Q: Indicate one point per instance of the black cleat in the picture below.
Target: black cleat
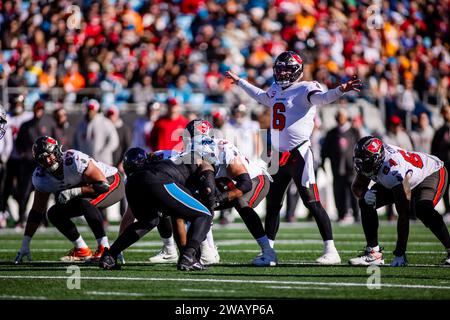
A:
(188, 262)
(108, 262)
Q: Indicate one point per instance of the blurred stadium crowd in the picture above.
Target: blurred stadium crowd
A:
(172, 55)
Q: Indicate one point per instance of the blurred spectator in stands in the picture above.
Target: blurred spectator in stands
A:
(125, 137)
(245, 132)
(6, 146)
(423, 135)
(358, 124)
(61, 129)
(182, 90)
(338, 147)
(143, 126)
(167, 131)
(440, 147)
(48, 78)
(96, 135)
(143, 93)
(73, 81)
(16, 118)
(397, 135)
(40, 125)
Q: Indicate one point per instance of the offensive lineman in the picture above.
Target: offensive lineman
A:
(293, 103)
(81, 186)
(404, 178)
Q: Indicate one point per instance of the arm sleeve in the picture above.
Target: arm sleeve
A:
(318, 98)
(254, 92)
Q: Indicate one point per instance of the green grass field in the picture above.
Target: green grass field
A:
(297, 277)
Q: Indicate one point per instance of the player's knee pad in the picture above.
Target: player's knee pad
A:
(427, 214)
(55, 214)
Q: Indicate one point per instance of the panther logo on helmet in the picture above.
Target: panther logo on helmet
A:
(134, 159)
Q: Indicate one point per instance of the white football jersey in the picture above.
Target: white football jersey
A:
(74, 164)
(292, 116)
(227, 153)
(398, 162)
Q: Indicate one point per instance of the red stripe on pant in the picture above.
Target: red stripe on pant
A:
(440, 186)
(257, 191)
(316, 192)
(112, 187)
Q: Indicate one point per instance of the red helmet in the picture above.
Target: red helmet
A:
(288, 68)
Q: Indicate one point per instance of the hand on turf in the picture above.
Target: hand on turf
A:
(233, 76)
(399, 261)
(370, 197)
(23, 252)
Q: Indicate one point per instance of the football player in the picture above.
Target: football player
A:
(81, 185)
(2, 122)
(293, 103)
(404, 178)
(163, 185)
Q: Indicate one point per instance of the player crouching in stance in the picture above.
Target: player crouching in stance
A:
(406, 179)
(160, 186)
(81, 186)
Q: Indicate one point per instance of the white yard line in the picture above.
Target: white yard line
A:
(14, 297)
(206, 290)
(296, 288)
(113, 293)
(240, 281)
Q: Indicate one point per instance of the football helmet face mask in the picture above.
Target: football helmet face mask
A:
(288, 68)
(134, 159)
(368, 156)
(2, 122)
(47, 153)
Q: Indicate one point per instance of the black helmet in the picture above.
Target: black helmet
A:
(45, 146)
(368, 155)
(2, 122)
(134, 159)
(288, 68)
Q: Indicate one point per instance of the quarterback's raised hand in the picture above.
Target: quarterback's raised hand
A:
(23, 252)
(233, 76)
(353, 84)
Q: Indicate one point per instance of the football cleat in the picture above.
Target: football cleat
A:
(165, 255)
(329, 258)
(268, 258)
(98, 253)
(447, 261)
(208, 255)
(121, 258)
(108, 262)
(188, 262)
(77, 254)
(368, 257)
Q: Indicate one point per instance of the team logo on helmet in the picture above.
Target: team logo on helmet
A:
(374, 145)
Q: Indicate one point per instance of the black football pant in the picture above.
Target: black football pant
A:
(424, 198)
(293, 169)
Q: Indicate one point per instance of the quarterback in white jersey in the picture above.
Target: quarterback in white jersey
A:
(411, 180)
(293, 103)
(81, 186)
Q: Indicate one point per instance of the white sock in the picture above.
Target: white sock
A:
(79, 243)
(103, 241)
(168, 242)
(210, 239)
(376, 248)
(26, 242)
(329, 246)
(271, 243)
(263, 242)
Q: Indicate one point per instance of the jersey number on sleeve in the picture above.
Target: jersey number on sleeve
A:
(412, 158)
(278, 119)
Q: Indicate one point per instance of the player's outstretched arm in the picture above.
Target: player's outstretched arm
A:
(319, 98)
(253, 91)
(34, 220)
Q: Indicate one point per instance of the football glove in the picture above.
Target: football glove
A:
(221, 197)
(370, 197)
(66, 195)
(22, 252)
(399, 261)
